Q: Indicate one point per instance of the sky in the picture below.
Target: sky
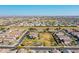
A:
(39, 10)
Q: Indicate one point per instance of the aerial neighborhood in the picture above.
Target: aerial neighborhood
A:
(39, 34)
